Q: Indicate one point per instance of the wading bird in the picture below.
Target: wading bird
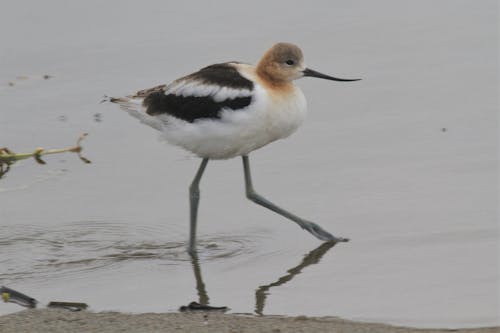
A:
(228, 110)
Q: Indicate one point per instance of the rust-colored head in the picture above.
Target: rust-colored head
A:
(284, 63)
(281, 64)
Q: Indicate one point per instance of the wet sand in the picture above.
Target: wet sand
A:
(108, 322)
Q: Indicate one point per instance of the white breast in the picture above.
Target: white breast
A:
(238, 132)
(285, 114)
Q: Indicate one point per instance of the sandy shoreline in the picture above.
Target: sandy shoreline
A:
(49, 320)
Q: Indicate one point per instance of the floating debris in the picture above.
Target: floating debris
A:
(71, 306)
(7, 157)
(13, 296)
(195, 306)
(19, 78)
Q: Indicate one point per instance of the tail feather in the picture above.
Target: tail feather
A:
(134, 107)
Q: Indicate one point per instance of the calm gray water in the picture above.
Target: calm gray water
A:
(405, 162)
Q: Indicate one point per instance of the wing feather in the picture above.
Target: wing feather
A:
(203, 94)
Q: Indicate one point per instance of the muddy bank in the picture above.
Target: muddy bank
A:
(109, 322)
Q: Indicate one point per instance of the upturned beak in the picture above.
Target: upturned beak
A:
(312, 73)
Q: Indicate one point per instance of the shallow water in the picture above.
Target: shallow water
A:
(405, 163)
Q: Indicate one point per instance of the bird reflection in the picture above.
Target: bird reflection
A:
(200, 286)
(311, 258)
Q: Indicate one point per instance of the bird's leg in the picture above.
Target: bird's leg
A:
(313, 228)
(194, 198)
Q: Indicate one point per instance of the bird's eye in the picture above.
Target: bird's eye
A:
(290, 62)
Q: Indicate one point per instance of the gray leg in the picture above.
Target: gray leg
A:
(313, 228)
(194, 198)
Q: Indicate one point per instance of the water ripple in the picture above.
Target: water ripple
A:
(87, 246)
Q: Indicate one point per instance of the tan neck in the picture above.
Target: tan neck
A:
(267, 74)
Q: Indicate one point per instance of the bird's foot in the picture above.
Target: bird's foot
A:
(320, 233)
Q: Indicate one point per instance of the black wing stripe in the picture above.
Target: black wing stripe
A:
(168, 100)
(221, 74)
(190, 108)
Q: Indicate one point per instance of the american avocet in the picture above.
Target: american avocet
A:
(228, 110)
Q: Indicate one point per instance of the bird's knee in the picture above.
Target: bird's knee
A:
(252, 196)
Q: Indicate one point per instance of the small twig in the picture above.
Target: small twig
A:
(7, 157)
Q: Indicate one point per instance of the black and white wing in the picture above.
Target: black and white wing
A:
(200, 95)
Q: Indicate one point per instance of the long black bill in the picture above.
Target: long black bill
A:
(312, 73)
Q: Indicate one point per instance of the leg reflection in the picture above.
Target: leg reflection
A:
(200, 286)
(203, 300)
(311, 258)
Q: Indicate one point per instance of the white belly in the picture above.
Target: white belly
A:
(238, 132)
